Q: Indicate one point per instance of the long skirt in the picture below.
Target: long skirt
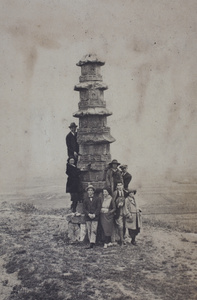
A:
(107, 223)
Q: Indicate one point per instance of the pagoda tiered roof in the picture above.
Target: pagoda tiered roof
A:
(90, 84)
(99, 111)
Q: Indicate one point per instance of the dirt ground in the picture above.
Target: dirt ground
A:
(38, 262)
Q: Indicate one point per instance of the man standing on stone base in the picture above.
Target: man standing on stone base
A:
(71, 142)
(125, 175)
(91, 208)
(113, 175)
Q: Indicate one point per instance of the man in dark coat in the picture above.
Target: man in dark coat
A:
(71, 142)
(91, 209)
(126, 176)
(73, 185)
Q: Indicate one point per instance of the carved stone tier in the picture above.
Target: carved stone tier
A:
(91, 94)
(91, 103)
(101, 130)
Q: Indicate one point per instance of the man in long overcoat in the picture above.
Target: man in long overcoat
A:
(132, 216)
(71, 142)
(73, 185)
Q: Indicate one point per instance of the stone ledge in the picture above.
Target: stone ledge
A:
(100, 111)
(90, 85)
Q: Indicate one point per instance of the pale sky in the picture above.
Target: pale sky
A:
(149, 47)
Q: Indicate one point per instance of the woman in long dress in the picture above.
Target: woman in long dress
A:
(107, 217)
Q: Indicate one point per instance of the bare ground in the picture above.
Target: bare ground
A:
(38, 262)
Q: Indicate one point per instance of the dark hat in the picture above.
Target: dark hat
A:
(130, 191)
(90, 186)
(114, 161)
(123, 167)
(72, 125)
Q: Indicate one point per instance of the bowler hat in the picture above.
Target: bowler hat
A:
(114, 161)
(90, 186)
(72, 125)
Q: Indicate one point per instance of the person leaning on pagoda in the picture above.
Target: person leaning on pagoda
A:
(71, 142)
(91, 209)
(113, 175)
(73, 185)
(125, 175)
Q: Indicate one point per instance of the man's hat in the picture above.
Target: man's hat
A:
(72, 125)
(114, 161)
(90, 186)
(123, 167)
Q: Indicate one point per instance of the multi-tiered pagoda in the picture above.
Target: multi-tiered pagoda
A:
(93, 134)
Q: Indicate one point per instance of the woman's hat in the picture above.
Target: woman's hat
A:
(72, 125)
(130, 191)
(90, 186)
(114, 161)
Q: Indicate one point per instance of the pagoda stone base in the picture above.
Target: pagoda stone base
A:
(77, 231)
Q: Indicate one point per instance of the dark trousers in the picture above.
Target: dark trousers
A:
(74, 199)
(133, 233)
(107, 239)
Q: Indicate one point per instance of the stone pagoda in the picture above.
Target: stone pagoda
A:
(93, 134)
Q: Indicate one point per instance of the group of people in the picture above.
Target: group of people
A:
(115, 210)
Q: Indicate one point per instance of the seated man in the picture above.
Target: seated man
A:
(91, 208)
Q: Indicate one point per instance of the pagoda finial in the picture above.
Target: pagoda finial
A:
(90, 58)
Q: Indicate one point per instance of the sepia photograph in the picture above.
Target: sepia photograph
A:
(98, 139)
